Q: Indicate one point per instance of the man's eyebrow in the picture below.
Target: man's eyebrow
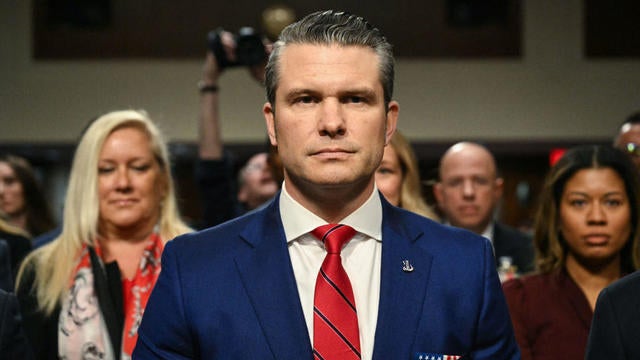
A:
(297, 92)
(364, 92)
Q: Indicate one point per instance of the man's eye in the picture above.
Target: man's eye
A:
(453, 183)
(354, 99)
(305, 99)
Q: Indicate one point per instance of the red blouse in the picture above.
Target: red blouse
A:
(551, 316)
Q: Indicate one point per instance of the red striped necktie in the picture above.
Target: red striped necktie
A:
(335, 321)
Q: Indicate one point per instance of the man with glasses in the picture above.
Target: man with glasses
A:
(628, 138)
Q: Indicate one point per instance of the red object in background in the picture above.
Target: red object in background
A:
(555, 155)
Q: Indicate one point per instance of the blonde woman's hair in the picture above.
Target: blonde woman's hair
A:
(411, 189)
(54, 263)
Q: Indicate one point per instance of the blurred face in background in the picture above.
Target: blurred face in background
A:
(257, 183)
(389, 176)
(629, 141)
(469, 188)
(130, 182)
(595, 216)
(11, 192)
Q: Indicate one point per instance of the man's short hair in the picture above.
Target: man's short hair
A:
(328, 28)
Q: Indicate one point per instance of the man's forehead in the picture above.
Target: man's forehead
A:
(466, 163)
(630, 132)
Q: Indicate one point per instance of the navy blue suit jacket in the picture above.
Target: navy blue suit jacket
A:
(229, 292)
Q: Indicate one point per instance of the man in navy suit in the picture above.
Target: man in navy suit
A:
(245, 289)
(468, 192)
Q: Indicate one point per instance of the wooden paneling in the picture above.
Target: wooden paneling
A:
(91, 29)
(612, 28)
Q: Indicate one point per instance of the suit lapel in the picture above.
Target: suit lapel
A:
(267, 276)
(402, 292)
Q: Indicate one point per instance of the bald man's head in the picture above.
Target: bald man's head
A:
(628, 138)
(469, 188)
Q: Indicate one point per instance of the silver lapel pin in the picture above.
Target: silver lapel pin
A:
(406, 266)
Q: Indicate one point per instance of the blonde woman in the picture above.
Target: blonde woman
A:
(398, 177)
(83, 294)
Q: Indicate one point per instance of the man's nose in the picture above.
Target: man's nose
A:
(468, 188)
(331, 122)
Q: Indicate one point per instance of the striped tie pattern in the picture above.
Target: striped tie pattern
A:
(335, 321)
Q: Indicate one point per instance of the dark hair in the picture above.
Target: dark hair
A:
(550, 247)
(633, 119)
(39, 216)
(332, 27)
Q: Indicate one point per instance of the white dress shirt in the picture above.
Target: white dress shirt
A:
(361, 259)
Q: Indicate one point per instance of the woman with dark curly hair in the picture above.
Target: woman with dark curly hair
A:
(586, 237)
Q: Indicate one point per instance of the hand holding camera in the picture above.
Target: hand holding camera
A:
(246, 48)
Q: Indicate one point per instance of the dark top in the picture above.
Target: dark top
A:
(19, 247)
(47, 237)
(615, 330)
(215, 179)
(551, 316)
(515, 244)
(13, 344)
(6, 276)
(42, 330)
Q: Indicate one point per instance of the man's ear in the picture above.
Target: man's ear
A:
(269, 118)
(499, 189)
(437, 192)
(392, 120)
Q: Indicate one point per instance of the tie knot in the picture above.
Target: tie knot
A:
(334, 236)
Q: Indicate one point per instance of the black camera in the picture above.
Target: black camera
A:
(249, 48)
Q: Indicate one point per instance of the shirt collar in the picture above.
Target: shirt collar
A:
(367, 219)
(488, 232)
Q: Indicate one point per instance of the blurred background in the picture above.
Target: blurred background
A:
(523, 77)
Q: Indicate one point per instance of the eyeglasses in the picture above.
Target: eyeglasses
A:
(631, 149)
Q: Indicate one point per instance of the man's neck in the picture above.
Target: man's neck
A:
(331, 203)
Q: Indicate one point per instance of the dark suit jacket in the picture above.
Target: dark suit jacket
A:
(615, 328)
(19, 247)
(13, 344)
(42, 330)
(6, 274)
(515, 244)
(229, 292)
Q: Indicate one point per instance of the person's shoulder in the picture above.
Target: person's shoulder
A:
(629, 284)
(511, 233)
(433, 234)
(11, 238)
(218, 237)
(529, 284)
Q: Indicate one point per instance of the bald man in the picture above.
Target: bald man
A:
(468, 192)
(628, 138)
